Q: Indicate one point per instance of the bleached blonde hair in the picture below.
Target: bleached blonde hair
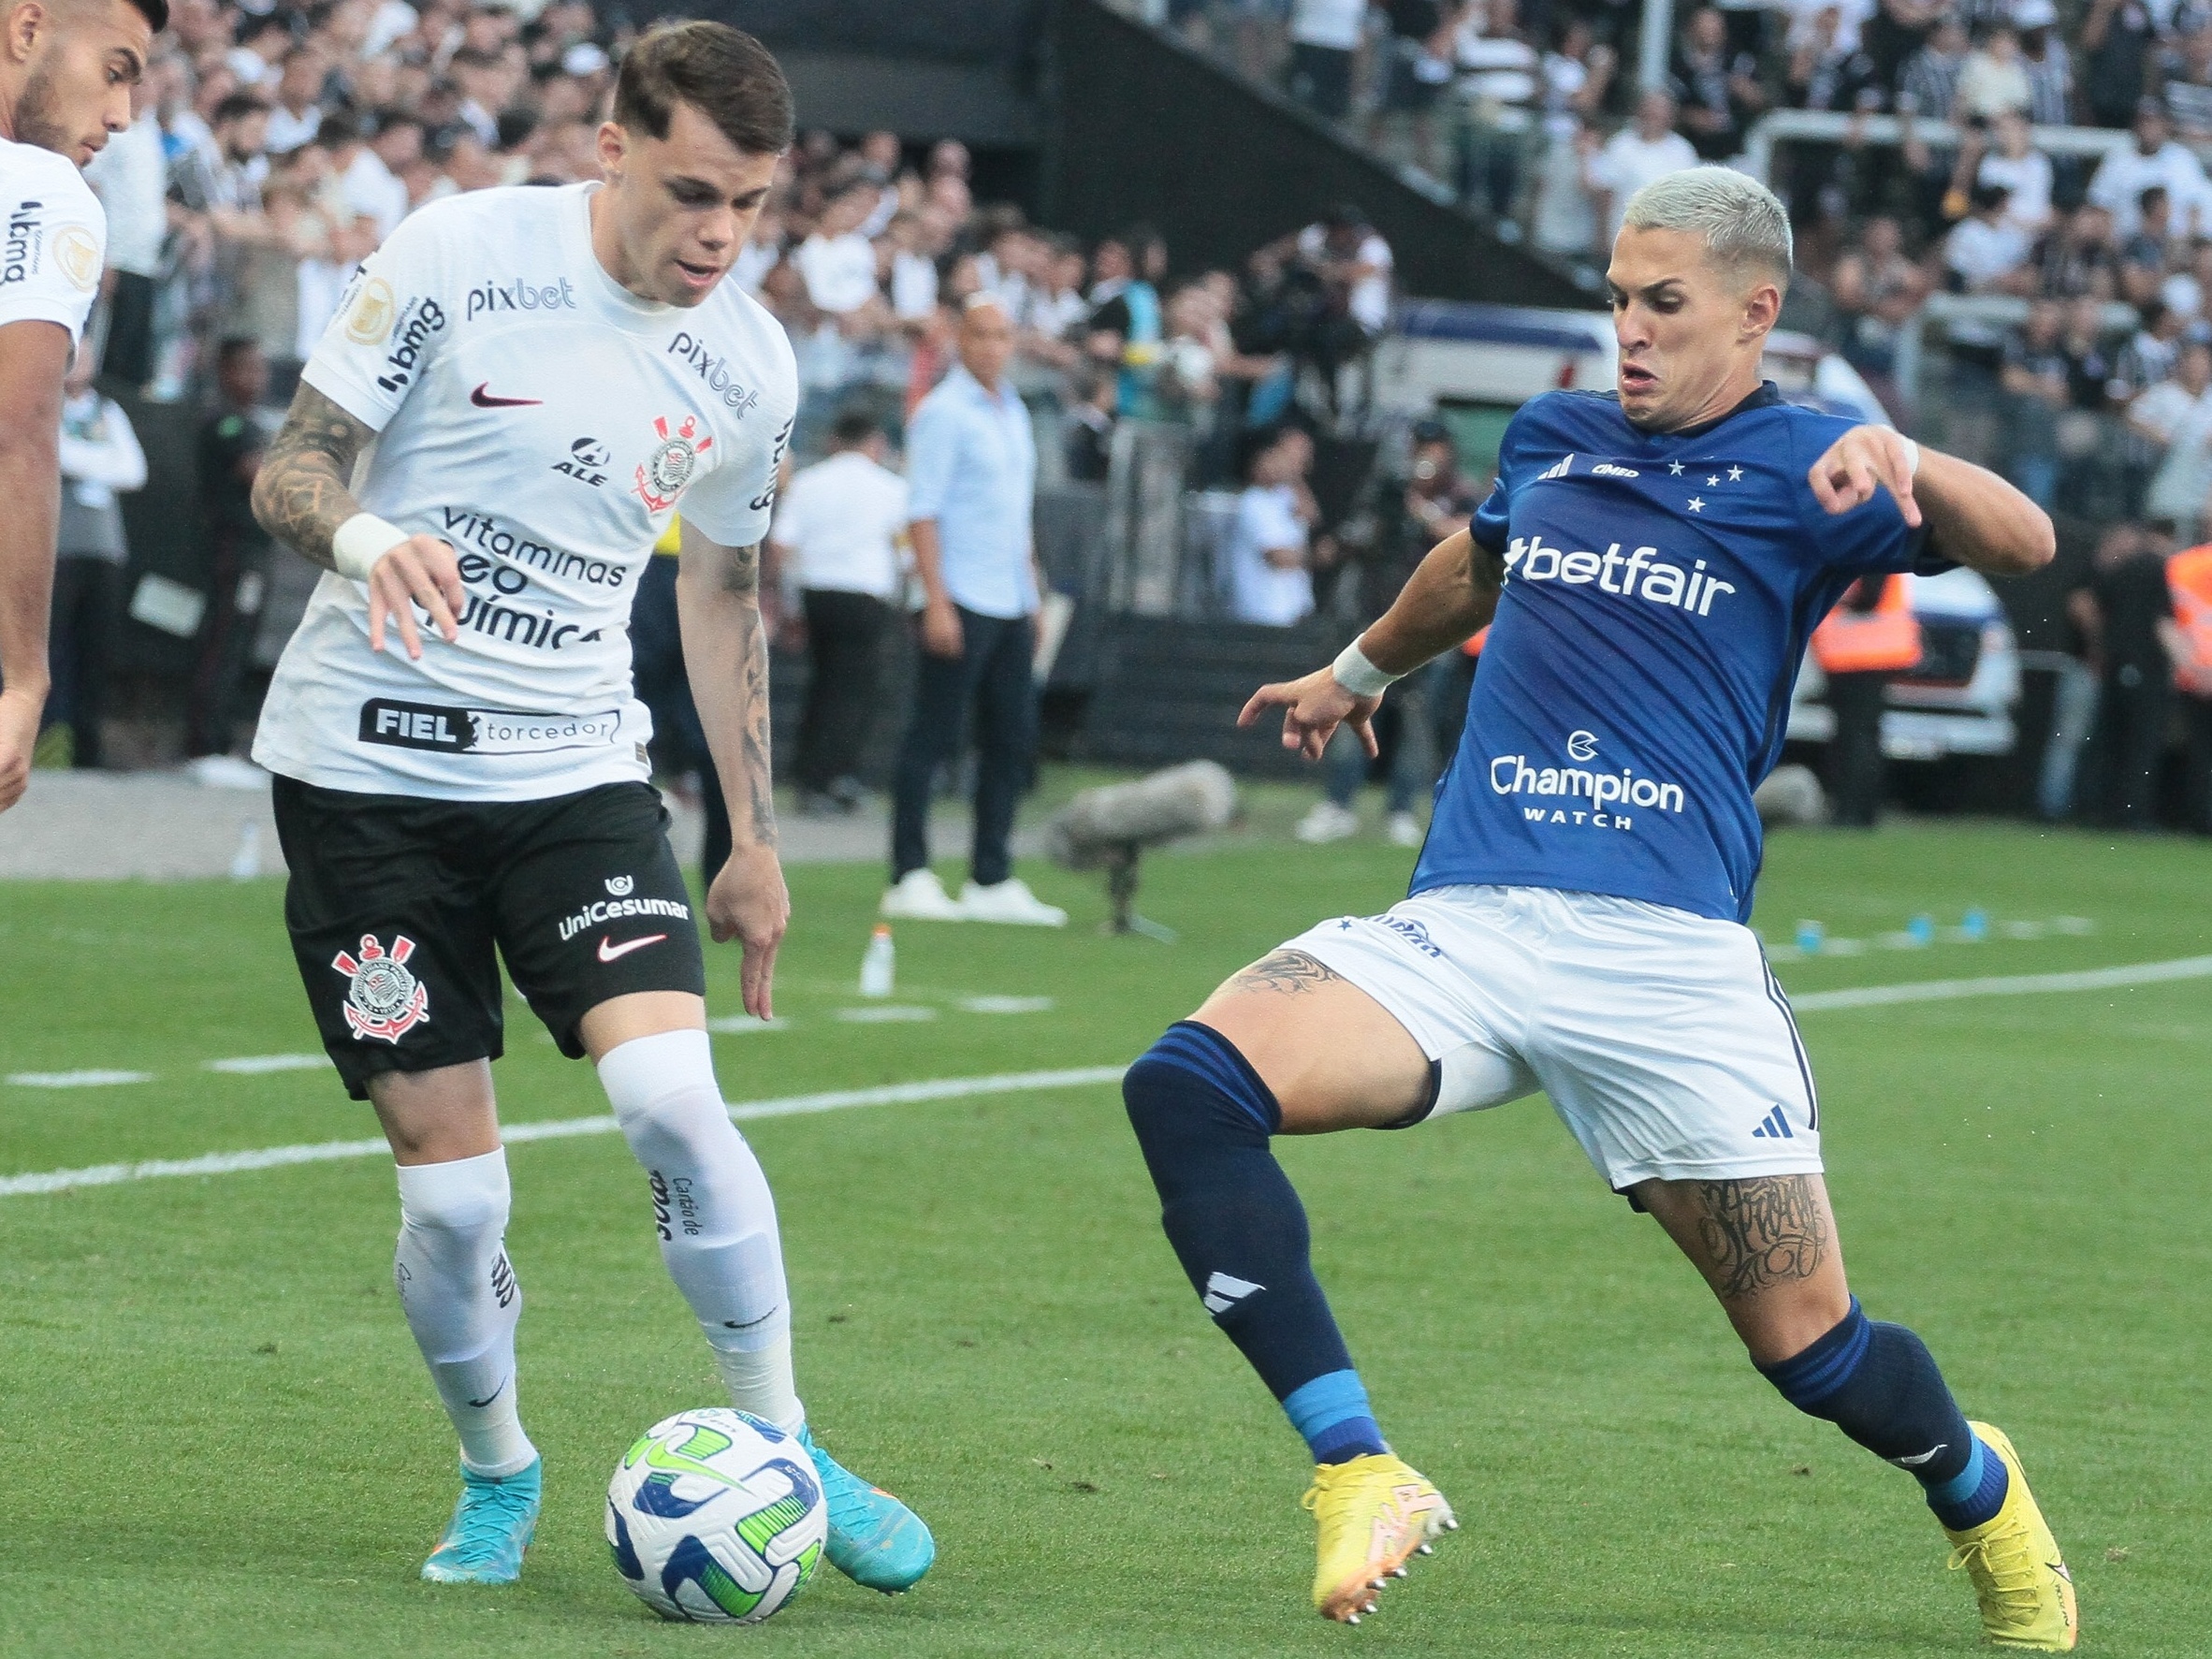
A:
(1743, 226)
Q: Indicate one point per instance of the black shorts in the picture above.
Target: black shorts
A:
(396, 904)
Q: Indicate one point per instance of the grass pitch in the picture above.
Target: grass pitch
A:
(215, 1437)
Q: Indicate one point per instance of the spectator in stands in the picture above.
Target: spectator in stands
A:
(971, 468)
(232, 438)
(1877, 293)
(1983, 254)
(2117, 41)
(1647, 149)
(2177, 415)
(839, 265)
(1928, 84)
(1125, 307)
(100, 458)
(1088, 446)
(2077, 256)
(1993, 81)
(130, 178)
(2186, 86)
(1271, 547)
(1498, 87)
(2187, 292)
(2140, 261)
(2047, 62)
(2154, 158)
(2013, 161)
(1716, 87)
(1418, 71)
(365, 179)
(296, 115)
(841, 528)
(2035, 380)
(1827, 69)
(1324, 36)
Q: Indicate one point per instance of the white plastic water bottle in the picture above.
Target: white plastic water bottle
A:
(878, 965)
(245, 864)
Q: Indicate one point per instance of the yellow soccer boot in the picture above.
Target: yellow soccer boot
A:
(1374, 1513)
(2025, 1593)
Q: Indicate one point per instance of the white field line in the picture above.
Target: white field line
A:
(954, 1088)
(270, 1157)
(2025, 985)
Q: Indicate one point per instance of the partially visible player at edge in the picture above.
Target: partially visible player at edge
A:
(545, 374)
(1654, 558)
(67, 70)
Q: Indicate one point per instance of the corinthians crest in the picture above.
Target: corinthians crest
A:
(384, 999)
(663, 474)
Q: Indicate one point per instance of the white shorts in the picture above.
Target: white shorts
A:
(1662, 1037)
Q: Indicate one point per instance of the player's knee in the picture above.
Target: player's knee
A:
(1191, 1089)
(465, 1196)
(666, 1100)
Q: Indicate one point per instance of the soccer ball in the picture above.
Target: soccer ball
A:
(716, 1516)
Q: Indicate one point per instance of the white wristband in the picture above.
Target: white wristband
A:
(360, 542)
(1911, 456)
(1360, 676)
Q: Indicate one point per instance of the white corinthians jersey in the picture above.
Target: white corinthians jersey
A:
(546, 423)
(53, 242)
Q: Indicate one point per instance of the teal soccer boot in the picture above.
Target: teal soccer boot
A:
(490, 1528)
(874, 1539)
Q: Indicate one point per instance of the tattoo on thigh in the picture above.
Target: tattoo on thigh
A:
(1761, 1232)
(1289, 971)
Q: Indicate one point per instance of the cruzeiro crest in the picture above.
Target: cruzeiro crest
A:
(663, 474)
(384, 999)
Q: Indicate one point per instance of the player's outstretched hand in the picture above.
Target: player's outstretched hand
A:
(1313, 709)
(749, 903)
(1857, 463)
(19, 737)
(421, 569)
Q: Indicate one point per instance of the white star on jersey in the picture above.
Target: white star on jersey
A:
(1735, 474)
(546, 422)
(1696, 505)
(1675, 468)
(1712, 481)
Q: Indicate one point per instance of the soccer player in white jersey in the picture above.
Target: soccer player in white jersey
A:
(546, 375)
(67, 70)
(1650, 561)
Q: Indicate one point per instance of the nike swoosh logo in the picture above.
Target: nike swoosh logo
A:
(495, 1393)
(483, 398)
(609, 949)
(748, 1324)
(1914, 1463)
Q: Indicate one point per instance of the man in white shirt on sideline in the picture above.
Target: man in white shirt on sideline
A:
(1324, 39)
(66, 81)
(971, 465)
(1270, 578)
(1635, 155)
(841, 527)
(131, 179)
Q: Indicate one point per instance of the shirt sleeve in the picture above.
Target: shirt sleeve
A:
(932, 443)
(734, 504)
(56, 242)
(392, 320)
(1872, 536)
(1490, 525)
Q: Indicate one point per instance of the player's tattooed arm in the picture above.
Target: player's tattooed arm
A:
(302, 492)
(1291, 972)
(1760, 1233)
(726, 643)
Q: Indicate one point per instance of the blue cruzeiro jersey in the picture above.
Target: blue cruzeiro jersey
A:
(1660, 588)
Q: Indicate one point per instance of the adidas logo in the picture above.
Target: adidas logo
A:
(1224, 1292)
(1564, 466)
(1775, 1126)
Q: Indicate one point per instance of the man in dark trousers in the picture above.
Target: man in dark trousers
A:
(1869, 639)
(231, 440)
(971, 475)
(2127, 612)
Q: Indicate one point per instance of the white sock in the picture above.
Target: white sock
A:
(716, 1217)
(462, 1302)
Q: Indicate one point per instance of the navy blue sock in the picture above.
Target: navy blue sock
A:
(1203, 1118)
(1879, 1384)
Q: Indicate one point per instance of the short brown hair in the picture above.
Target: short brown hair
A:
(723, 73)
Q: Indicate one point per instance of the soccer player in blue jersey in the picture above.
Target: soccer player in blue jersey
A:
(1654, 558)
